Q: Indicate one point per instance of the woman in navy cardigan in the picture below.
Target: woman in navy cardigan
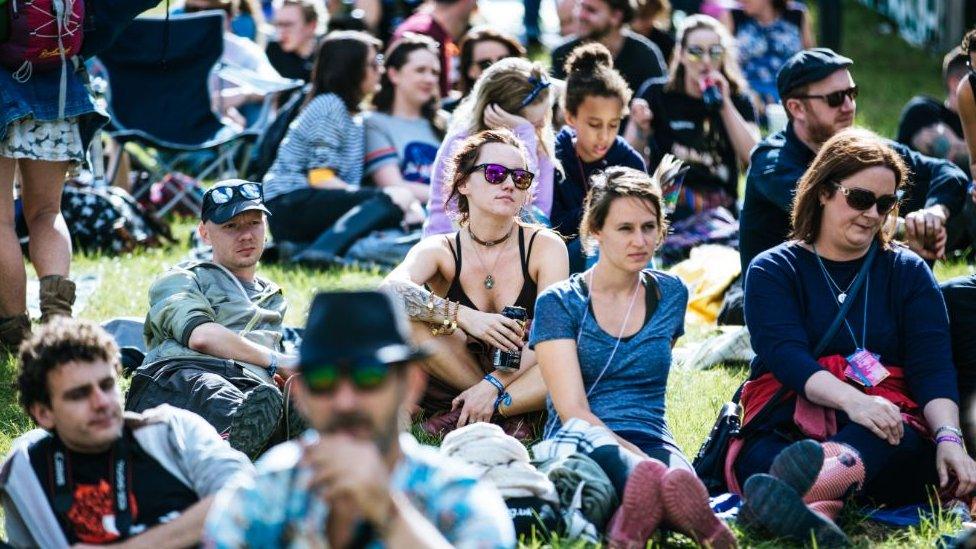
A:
(882, 398)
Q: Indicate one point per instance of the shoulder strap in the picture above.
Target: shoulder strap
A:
(821, 345)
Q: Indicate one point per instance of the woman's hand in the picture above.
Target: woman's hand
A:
(641, 114)
(723, 85)
(494, 329)
(952, 458)
(477, 403)
(879, 415)
(498, 118)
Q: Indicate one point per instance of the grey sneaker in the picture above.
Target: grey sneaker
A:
(256, 420)
(780, 509)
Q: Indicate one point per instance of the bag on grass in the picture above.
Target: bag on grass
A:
(109, 220)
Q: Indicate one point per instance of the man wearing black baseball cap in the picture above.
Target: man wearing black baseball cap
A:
(818, 93)
(354, 479)
(214, 328)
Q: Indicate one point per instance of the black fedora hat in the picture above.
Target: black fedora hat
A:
(354, 328)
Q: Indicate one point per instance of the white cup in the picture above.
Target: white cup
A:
(776, 118)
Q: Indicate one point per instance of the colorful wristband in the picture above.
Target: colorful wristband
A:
(503, 398)
(273, 366)
(948, 438)
(498, 385)
(954, 430)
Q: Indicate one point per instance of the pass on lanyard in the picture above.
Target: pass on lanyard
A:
(863, 366)
(119, 476)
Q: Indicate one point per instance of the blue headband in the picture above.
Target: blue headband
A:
(538, 84)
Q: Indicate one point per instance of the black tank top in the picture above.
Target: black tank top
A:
(526, 297)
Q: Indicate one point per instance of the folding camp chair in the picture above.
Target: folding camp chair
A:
(158, 73)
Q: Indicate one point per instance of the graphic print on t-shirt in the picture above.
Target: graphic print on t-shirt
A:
(155, 496)
(418, 159)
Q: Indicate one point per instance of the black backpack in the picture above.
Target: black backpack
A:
(266, 149)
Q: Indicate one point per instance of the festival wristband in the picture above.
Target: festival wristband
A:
(318, 177)
(948, 438)
(954, 430)
(273, 366)
(503, 398)
(498, 385)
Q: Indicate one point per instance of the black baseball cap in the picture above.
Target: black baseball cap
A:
(231, 197)
(808, 66)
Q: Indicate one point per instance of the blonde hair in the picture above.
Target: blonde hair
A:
(505, 84)
(730, 64)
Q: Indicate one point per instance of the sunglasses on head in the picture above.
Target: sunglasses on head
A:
(495, 174)
(324, 379)
(863, 199)
(834, 99)
(697, 53)
(223, 195)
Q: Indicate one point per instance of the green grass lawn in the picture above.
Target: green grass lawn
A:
(888, 71)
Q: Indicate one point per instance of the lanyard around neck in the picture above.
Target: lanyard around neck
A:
(119, 477)
(830, 288)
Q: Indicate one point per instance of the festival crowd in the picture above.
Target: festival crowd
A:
(527, 216)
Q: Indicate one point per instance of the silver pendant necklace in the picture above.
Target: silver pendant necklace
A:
(489, 281)
(841, 294)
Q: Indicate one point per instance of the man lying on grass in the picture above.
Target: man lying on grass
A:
(214, 328)
(64, 484)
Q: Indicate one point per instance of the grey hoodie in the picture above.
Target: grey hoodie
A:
(182, 442)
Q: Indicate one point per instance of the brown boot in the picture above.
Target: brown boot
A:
(14, 330)
(57, 297)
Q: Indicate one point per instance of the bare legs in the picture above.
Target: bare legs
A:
(455, 366)
(50, 243)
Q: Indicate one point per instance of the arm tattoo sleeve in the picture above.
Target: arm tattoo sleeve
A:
(423, 305)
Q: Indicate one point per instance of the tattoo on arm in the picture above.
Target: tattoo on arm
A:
(421, 304)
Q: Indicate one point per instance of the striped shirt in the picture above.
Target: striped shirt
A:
(325, 135)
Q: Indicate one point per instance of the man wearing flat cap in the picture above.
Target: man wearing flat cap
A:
(353, 479)
(214, 328)
(819, 95)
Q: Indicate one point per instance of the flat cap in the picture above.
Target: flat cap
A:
(808, 66)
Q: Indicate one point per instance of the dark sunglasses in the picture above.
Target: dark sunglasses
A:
(485, 63)
(495, 174)
(223, 195)
(324, 379)
(715, 52)
(834, 99)
(863, 199)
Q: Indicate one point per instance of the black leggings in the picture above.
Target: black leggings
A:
(302, 215)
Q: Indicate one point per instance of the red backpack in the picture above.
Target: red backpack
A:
(42, 34)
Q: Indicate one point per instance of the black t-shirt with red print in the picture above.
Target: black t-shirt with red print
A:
(155, 496)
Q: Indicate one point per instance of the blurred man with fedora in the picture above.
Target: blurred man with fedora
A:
(214, 328)
(354, 479)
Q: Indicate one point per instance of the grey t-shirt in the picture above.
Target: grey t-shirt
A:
(410, 144)
(630, 396)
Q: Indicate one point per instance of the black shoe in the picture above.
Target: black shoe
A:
(255, 420)
(799, 465)
(780, 509)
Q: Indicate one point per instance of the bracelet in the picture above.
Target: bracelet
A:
(954, 430)
(273, 366)
(503, 398)
(449, 324)
(948, 438)
(498, 385)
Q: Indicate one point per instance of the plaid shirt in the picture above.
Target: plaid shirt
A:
(275, 509)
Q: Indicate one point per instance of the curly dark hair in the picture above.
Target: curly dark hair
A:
(340, 66)
(465, 158)
(590, 71)
(58, 342)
